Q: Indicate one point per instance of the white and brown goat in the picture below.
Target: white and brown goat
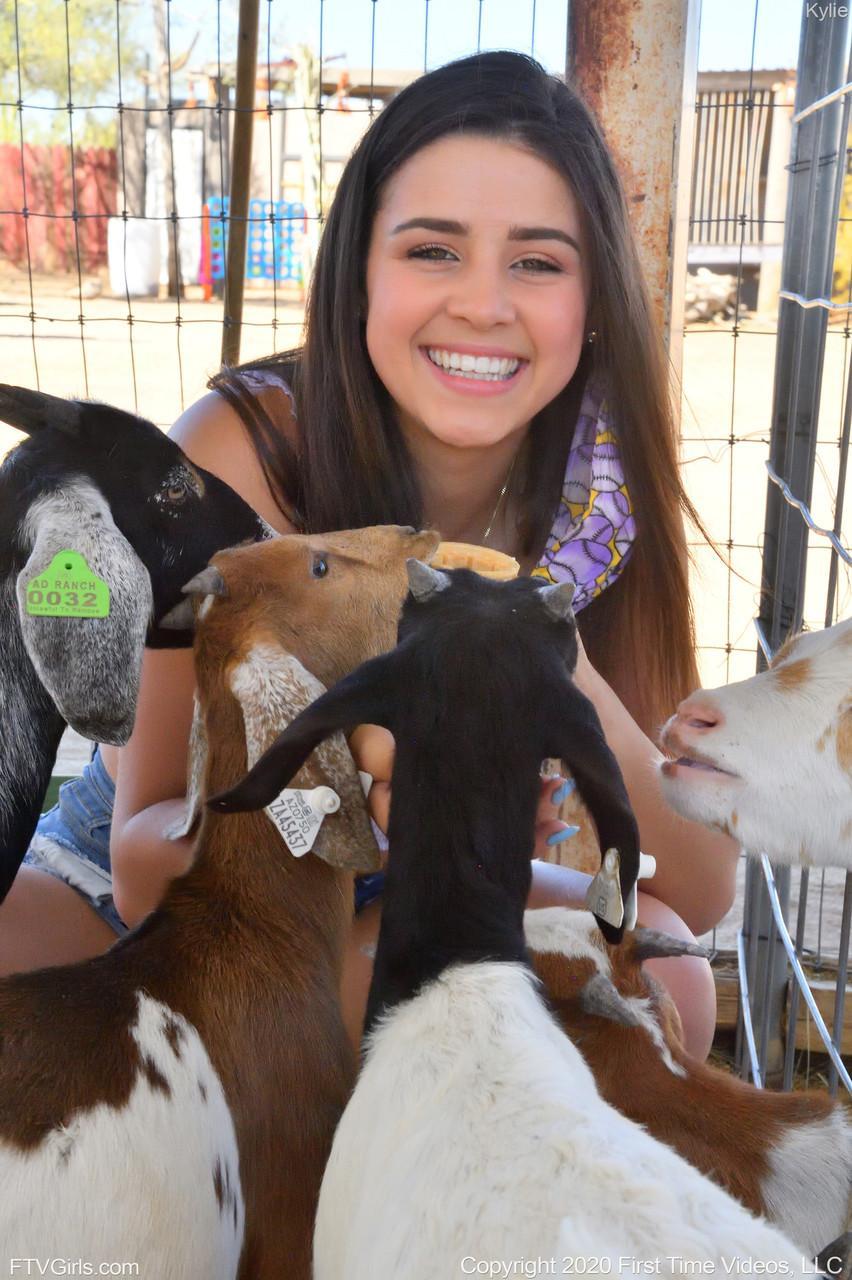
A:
(786, 1156)
(769, 759)
(173, 1102)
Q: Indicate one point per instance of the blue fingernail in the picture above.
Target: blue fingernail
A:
(559, 836)
(564, 791)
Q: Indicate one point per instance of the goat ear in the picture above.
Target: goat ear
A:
(577, 738)
(33, 411)
(272, 688)
(89, 666)
(364, 697)
(196, 768)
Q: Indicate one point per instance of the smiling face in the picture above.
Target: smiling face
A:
(476, 290)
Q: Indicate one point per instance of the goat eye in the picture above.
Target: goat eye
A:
(177, 492)
(319, 567)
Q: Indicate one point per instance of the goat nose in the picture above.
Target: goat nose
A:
(697, 712)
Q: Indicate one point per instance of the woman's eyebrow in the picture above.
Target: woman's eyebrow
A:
(450, 227)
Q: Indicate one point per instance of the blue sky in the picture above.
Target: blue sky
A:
(537, 26)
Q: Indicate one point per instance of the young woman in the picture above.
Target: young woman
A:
(479, 356)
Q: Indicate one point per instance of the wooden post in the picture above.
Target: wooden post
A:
(235, 268)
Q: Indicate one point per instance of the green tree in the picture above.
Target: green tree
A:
(44, 38)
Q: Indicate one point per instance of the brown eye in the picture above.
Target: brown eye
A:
(319, 567)
(177, 492)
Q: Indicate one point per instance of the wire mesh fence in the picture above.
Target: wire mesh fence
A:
(153, 83)
(117, 123)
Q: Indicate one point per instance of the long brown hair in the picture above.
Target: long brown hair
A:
(353, 467)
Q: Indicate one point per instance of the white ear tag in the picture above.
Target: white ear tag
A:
(297, 816)
(603, 896)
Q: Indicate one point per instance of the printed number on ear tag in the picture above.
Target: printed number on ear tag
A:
(297, 815)
(67, 588)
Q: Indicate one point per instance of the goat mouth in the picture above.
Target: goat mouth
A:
(695, 763)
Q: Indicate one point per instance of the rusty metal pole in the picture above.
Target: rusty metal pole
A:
(235, 267)
(636, 65)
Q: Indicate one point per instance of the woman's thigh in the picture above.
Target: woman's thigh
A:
(44, 922)
(688, 979)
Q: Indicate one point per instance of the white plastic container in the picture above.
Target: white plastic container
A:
(134, 261)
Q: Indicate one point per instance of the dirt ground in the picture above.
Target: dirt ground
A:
(157, 366)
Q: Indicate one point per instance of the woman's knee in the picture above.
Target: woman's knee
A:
(44, 922)
(688, 979)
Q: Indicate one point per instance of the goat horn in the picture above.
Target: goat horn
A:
(209, 582)
(652, 944)
(180, 618)
(601, 997)
(836, 1258)
(424, 581)
(32, 411)
(557, 598)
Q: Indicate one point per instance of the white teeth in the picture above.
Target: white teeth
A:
(480, 368)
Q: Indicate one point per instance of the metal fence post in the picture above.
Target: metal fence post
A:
(807, 266)
(633, 62)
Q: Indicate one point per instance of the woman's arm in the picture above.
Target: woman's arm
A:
(151, 783)
(696, 867)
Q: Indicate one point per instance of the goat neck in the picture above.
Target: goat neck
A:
(473, 684)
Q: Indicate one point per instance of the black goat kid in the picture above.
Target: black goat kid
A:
(477, 693)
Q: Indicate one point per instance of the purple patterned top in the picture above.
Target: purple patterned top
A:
(595, 528)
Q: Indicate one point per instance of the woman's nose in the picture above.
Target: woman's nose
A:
(483, 298)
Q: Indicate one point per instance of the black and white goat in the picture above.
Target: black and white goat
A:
(475, 1130)
(113, 489)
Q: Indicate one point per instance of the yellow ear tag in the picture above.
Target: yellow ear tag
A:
(67, 588)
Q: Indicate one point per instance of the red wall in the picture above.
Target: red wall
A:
(46, 175)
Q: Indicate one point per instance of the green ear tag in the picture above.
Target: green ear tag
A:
(68, 589)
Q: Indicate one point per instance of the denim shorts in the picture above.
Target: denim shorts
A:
(71, 841)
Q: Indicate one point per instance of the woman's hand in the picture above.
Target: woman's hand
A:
(373, 750)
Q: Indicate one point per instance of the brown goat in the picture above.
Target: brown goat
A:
(787, 1156)
(173, 1102)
